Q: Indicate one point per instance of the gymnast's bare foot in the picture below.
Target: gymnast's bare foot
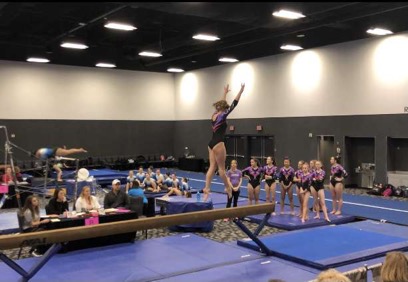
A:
(317, 217)
(83, 150)
(327, 219)
(338, 213)
(333, 212)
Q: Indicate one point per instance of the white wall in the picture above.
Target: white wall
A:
(356, 78)
(367, 76)
(36, 91)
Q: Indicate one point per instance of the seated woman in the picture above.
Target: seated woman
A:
(140, 175)
(129, 180)
(32, 222)
(86, 201)
(184, 185)
(167, 182)
(136, 191)
(395, 267)
(175, 190)
(7, 177)
(58, 203)
(149, 184)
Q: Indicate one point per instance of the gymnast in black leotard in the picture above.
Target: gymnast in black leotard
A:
(254, 174)
(216, 147)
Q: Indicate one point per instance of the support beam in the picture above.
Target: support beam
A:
(85, 232)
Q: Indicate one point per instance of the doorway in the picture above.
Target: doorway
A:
(261, 147)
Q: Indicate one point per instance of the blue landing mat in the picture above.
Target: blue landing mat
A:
(290, 222)
(332, 245)
(260, 270)
(145, 260)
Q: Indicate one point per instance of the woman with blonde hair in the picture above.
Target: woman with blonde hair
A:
(216, 147)
(395, 267)
(86, 201)
(332, 275)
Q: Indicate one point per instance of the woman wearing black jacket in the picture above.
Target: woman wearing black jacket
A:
(58, 204)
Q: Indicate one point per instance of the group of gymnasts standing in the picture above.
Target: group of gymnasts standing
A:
(308, 180)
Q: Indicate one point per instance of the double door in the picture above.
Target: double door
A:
(245, 147)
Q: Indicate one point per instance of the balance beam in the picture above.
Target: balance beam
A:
(113, 228)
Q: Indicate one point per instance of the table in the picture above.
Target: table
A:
(180, 204)
(193, 164)
(98, 241)
(151, 202)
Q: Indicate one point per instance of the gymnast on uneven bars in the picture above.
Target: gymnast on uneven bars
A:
(58, 154)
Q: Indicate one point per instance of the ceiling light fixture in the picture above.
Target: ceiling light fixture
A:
(291, 47)
(288, 14)
(228, 60)
(175, 70)
(38, 60)
(105, 65)
(120, 26)
(149, 54)
(206, 37)
(74, 45)
(379, 31)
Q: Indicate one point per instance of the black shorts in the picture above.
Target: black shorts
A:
(255, 183)
(269, 182)
(214, 141)
(334, 182)
(286, 181)
(318, 186)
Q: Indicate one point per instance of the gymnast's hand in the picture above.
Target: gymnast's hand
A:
(242, 86)
(226, 89)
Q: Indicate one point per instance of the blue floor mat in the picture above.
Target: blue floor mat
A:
(332, 246)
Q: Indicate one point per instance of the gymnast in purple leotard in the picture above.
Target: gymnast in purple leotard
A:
(270, 170)
(216, 147)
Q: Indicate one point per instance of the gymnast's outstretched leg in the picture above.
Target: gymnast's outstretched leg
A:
(62, 152)
(220, 154)
(210, 173)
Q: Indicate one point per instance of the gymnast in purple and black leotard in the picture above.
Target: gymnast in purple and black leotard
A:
(270, 170)
(216, 147)
(254, 174)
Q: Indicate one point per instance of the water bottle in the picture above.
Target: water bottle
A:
(198, 196)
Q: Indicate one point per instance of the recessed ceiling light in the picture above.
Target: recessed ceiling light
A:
(288, 14)
(74, 45)
(206, 37)
(149, 54)
(379, 31)
(291, 47)
(174, 70)
(120, 26)
(105, 65)
(37, 60)
(300, 35)
(228, 60)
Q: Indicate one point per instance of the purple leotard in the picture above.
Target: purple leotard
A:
(255, 175)
(219, 126)
(337, 171)
(298, 175)
(270, 171)
(319, 182)
(306, 180)
(286, 175)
